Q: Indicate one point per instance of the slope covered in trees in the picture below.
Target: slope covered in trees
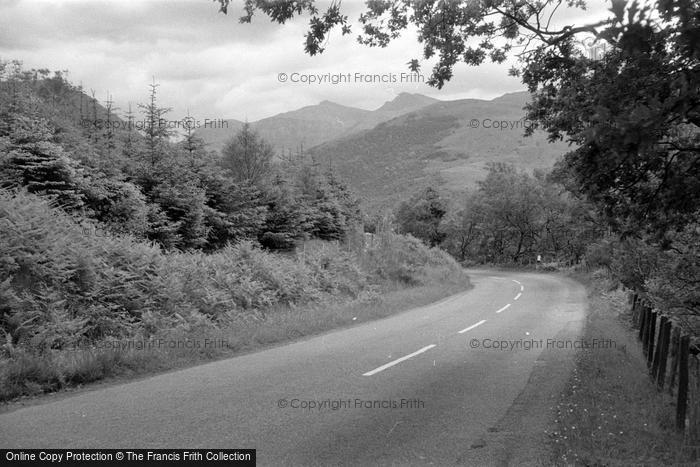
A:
(121, 230)
(130, 175)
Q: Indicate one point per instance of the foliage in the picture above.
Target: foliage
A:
(421, 215)
(246, 157)
(514, 217)
(455, 31)
(61, 288)
(138, 180)
(407, 260)
(637, 152)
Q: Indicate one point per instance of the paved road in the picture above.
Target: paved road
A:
(453, 395)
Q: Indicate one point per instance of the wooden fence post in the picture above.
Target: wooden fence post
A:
(635, 310)
(643, 327)
(650, 340)
(665, 341)
(682, 382)
(656, 359)
(675, 342)
(694, 412)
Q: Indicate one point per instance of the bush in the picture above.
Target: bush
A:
(61, 285)
(64, 289)
(407, 260)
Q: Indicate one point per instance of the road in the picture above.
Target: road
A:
(463, 402)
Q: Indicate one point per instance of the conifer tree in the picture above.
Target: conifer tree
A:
(156, 130)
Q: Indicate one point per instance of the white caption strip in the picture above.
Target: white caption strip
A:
(399, 360)
(471, 327)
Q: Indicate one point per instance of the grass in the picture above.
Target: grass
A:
(29, 375)
(611, 413)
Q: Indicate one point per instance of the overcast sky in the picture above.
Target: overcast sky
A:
(211, 65)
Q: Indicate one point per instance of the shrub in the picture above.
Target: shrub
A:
(64, 289)
(407, 260)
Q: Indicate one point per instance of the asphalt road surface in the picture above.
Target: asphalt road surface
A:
(425, 387)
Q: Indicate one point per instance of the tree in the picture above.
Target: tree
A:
(286, 221)
(156, 129)
(194, 147)
(514, 216)
(29, 158)
(462, 227)
(421, 216)
(634, 116)
(234, 211)
(183, 204)
(445, 28)
(247, 157)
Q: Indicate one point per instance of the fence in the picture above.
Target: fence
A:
(673, 363)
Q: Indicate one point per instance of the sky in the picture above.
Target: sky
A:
(210, 66)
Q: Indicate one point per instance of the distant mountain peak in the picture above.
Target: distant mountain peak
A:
(406, 101)
(327, 103)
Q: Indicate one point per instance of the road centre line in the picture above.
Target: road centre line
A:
(471, 327)
(503, 309)
(398, 360)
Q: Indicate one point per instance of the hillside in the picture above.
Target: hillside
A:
(447, 144)
(316, 124)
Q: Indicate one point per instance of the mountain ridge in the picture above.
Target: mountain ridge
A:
(315, 124)
(446, 145)
(411, 142)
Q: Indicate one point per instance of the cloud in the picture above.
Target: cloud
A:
(209, 63)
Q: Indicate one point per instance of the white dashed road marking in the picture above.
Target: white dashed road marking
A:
(504, 308)
(428, 347)
(399, 360)
(471, 327)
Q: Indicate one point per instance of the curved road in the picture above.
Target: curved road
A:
(422, 387)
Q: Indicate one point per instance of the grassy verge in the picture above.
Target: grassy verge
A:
(30, 375)
(611, 413)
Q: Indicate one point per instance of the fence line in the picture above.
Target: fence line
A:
(672, 363)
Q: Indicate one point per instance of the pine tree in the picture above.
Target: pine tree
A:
(194, 147)
(33, 161)
(286, 221)
(156, 129)
(128, 149)
(108, 133)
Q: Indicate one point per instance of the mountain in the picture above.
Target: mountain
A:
(315, 124)
(446, 144)
(408, 143)
(406, 102)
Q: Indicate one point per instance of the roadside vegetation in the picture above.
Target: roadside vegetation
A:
(612, 413)
(509, 219)
(77, 308)
(125, 248)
